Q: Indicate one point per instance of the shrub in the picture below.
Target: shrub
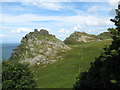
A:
(16, 75)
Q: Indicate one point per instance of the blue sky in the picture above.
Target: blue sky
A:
(59, 18)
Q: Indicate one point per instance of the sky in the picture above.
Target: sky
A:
(59, 17)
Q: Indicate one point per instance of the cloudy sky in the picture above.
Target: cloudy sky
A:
(59, 17)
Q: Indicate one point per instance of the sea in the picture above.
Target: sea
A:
(7, 49)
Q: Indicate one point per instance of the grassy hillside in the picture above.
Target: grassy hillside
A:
(104, 35)
(62, 74)
(79, 37)
(83, 37)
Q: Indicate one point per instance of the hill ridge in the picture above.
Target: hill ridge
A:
(83, 37)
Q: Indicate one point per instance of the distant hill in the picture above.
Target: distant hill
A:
(83, 37)
(39, 48)
(79, 37)
(104, 35)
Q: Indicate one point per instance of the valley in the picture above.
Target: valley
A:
(63, 73)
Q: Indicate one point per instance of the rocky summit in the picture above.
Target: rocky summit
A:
(39, 48)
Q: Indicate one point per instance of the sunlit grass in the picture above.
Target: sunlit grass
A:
(63, 73)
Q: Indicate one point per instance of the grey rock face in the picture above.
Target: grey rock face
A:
(43, 31)
(39, 59)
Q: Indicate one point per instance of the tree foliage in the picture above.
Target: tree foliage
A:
(16, 75)
(105, 70)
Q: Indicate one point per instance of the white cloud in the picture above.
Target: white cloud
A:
(50, 6)
(113, 5)
(26, 30)
(8, 18)
(57, 6)
(88, 20)
(92, 9)
(3, 28)
(77, 19)
(68, 31)
(77, 28)
(22, 29)
(45, 5)
(96, 31)
(56, 0)
(2, 35)
(64, 31)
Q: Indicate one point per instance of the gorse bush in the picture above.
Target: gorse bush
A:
(16, 75)
(105, 70)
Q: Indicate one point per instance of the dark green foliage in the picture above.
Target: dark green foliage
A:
(105, 70)
(16, 75)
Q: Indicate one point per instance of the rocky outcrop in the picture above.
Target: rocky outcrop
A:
(43, 31)
(39, 48)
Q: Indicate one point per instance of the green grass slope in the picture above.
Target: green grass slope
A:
(79, 37)
(104, 35)
(63, 73)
